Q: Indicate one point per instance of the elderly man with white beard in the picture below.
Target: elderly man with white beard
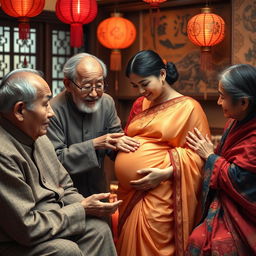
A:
(86, 127)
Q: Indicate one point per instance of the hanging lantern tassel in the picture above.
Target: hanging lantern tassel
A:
(76, 35)
(206, 58)
(23, 10)
(115, 60)
(116, 33)
(24, 28)
(76, 13)
(206, 30)
(25, 63)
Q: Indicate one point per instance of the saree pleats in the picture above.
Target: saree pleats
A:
(159, 220)
(187, 195)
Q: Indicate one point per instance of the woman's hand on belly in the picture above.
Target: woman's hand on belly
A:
(153, 177)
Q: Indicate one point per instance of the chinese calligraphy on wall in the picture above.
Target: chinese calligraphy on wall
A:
(171, 42)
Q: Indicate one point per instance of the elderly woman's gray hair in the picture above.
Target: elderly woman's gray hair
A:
(69, 68)
(239, 81)
(14, 89)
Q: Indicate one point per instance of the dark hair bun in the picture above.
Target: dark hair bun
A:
(172, 74)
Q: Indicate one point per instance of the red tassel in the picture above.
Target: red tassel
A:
(24, 29)
(25, 63)
(76, 35)
(206, 58)
(115, 60)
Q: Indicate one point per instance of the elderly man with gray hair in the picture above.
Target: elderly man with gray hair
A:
(86, 127)
(41, 211)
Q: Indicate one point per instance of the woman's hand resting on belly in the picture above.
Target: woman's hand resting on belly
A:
(153, 177)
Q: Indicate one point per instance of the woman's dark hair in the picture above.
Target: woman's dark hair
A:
(149, 63)
(239, 81)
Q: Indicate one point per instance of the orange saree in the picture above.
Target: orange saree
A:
(158, 222)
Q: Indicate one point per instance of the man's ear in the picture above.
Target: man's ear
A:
(18, 110)
(67, 84)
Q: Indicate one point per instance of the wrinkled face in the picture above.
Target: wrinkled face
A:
(230, 110)
(151, 87)
(36, 120)
(88, 87)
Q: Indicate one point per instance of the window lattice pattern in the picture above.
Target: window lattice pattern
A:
(14, 52)
(4, 50)
(61, 51)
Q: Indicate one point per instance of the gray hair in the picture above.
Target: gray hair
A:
(69, 68)
(17, 89)
(239, 81)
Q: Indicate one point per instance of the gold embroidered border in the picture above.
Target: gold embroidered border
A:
(179, 239)
(159, 107)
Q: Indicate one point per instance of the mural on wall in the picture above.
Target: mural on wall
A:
(172, 43)
(244, 27)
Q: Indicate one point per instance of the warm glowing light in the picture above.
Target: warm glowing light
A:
(206, 30)
(154, 3)
(116, 33)
(23, 10)
(76, 13)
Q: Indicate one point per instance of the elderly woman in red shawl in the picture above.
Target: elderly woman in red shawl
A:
(228, 226)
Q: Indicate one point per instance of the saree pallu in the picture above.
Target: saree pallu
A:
(158, 222)
(229, 224)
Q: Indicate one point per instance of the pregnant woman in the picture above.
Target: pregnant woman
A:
(160, 182)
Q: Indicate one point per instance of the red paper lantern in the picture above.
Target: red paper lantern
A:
(23, 10)
(154, 3)
(76, 13)
(206, 30)
(116, 33)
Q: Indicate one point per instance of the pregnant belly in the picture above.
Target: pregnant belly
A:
(148, 155)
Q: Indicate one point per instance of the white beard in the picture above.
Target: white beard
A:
(85, 109)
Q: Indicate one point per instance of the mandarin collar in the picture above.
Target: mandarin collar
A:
(16, 132)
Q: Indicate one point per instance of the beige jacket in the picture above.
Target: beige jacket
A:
(37, 197)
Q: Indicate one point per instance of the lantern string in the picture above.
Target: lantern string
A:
(116, 9)
(154, 15)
